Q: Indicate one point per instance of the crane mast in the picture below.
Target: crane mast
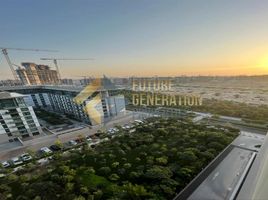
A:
(55, 61)
(10, 64)
(57, 68)
(5, 52)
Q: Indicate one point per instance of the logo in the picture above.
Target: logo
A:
(91, 107)
(159, 92)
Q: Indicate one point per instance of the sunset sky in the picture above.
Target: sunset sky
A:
(139, 37)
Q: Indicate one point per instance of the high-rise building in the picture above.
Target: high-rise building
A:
(33, 74)
(17, 119)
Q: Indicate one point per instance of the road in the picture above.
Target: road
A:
(37, 143)
(242, 127)
(221, 182)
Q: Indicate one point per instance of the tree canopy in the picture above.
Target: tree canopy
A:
(155, 162)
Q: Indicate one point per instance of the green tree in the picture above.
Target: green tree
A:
(135, 192)
(69, 187)
(162, 160)
(79, 198)
(114, 177)
(59, 143)
(97, 194)
(158, 172)
(127, 165)
(105, 170)
(115, 164)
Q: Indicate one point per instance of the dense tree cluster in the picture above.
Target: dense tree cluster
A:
(155, 162)
(249, 113)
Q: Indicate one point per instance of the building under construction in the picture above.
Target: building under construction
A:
(33, 74)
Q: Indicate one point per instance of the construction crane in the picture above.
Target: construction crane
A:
(5, 52)
(55, 61)
(16, 65)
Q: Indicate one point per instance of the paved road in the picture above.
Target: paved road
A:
(246, 128)
(221, 182)
(37, 143)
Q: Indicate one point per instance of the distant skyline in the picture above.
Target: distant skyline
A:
(139, 37)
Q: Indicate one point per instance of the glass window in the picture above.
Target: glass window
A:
(24, 109)
(7, 103)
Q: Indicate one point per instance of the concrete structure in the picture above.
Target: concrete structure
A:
(60, 99)
(238, 172)
(32, 74)
(62, 102)
(9, 82)
(67, 81)
(256, 183)
(85, 81)
(17, 119)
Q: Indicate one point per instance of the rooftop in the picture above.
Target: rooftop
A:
(105, 85)
(255, 184)
(9, 95)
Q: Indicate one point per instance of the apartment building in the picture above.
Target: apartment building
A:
(60, 98)
(17, 119)
(61, 101)
(56, 100)
(33, 74)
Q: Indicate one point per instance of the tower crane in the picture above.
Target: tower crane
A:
(55, 61)
(5, 52)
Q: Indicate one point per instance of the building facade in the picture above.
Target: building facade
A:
(9, 82)
(62, 102)
(67, 81)
(17, 119)
(33, 74)
(61, 99)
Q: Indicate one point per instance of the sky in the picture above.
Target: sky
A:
(138, 37)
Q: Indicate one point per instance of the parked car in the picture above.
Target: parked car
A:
(138, 121)
(55, 147)
(5, 164)
(45, 150)
(26, 157)
(116, 129)
(89, 139)
(132, 130)
(16, 161)
(126, 126)
(95, 138)
(72, 143)
(79, 140)
(111, 131)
